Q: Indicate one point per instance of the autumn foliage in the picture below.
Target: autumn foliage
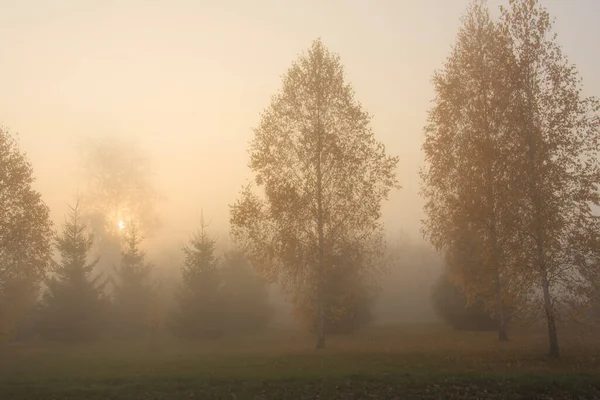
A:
(323, 177)
(25, 237)
(513, 167)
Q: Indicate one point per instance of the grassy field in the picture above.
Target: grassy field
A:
(420, 362)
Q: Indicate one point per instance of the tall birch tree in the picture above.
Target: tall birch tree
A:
(324, 177)
(557, 165)
(467, 151)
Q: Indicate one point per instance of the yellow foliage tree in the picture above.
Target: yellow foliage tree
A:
(25, 236)
(324, 177)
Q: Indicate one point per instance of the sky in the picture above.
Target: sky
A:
(186, 82)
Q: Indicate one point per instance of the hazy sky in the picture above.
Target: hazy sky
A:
(187, 80)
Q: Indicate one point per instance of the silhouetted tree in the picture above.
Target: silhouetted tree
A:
(25, 237)
(324, 177)
(200, 311)
(244, 293)
(74, 306)
(135, 292)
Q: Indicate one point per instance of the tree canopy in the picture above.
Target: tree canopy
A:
(323, 175)
(25, 235)
(513, 165)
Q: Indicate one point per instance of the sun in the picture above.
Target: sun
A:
(121, 224)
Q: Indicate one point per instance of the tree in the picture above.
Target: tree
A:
(200, 312)
(135, 291)
(25, 236)
(324, 177)
(468, 153)
(556, 164)
(74, 306)
(244, 293)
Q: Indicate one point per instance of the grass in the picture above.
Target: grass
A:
(401, 362)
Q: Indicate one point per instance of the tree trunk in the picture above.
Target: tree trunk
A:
(321, 260)
(321, 244)
(539, 232)
(320, 276)
(545, 282)
(500, 315)
(541, 259)
(321, 324)
(493, 229)
(550, 318)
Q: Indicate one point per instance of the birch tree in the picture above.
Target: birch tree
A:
(557, 166)
(467, 151)
(25, 235)
(324, 177)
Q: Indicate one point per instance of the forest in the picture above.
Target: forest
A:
(309, 295)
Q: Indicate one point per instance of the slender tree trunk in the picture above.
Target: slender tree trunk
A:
(493, 229)
(538, 219)
(550, 315)
(544, 281)
(541, 259)
(320, 266)
(500, 314)
(320, 223)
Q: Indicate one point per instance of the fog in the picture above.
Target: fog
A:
(184, 83)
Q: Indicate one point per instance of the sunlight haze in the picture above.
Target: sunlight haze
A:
(186, 82)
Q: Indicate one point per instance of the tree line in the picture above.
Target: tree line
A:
(218, 294)
(510, 185)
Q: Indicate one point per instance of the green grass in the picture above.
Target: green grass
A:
(404, 362)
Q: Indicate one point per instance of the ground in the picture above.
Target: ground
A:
(420, 362)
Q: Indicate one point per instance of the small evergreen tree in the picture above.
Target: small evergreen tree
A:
(200, 303)
(135, 291)
(74, 305)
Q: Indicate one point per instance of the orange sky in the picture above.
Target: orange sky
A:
(186, 80)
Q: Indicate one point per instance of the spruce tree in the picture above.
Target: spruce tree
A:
(135, 291)
(74, 306)
(200, 304)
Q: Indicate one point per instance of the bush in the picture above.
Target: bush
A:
(450, 304)
(348, 297)
(244, 295)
